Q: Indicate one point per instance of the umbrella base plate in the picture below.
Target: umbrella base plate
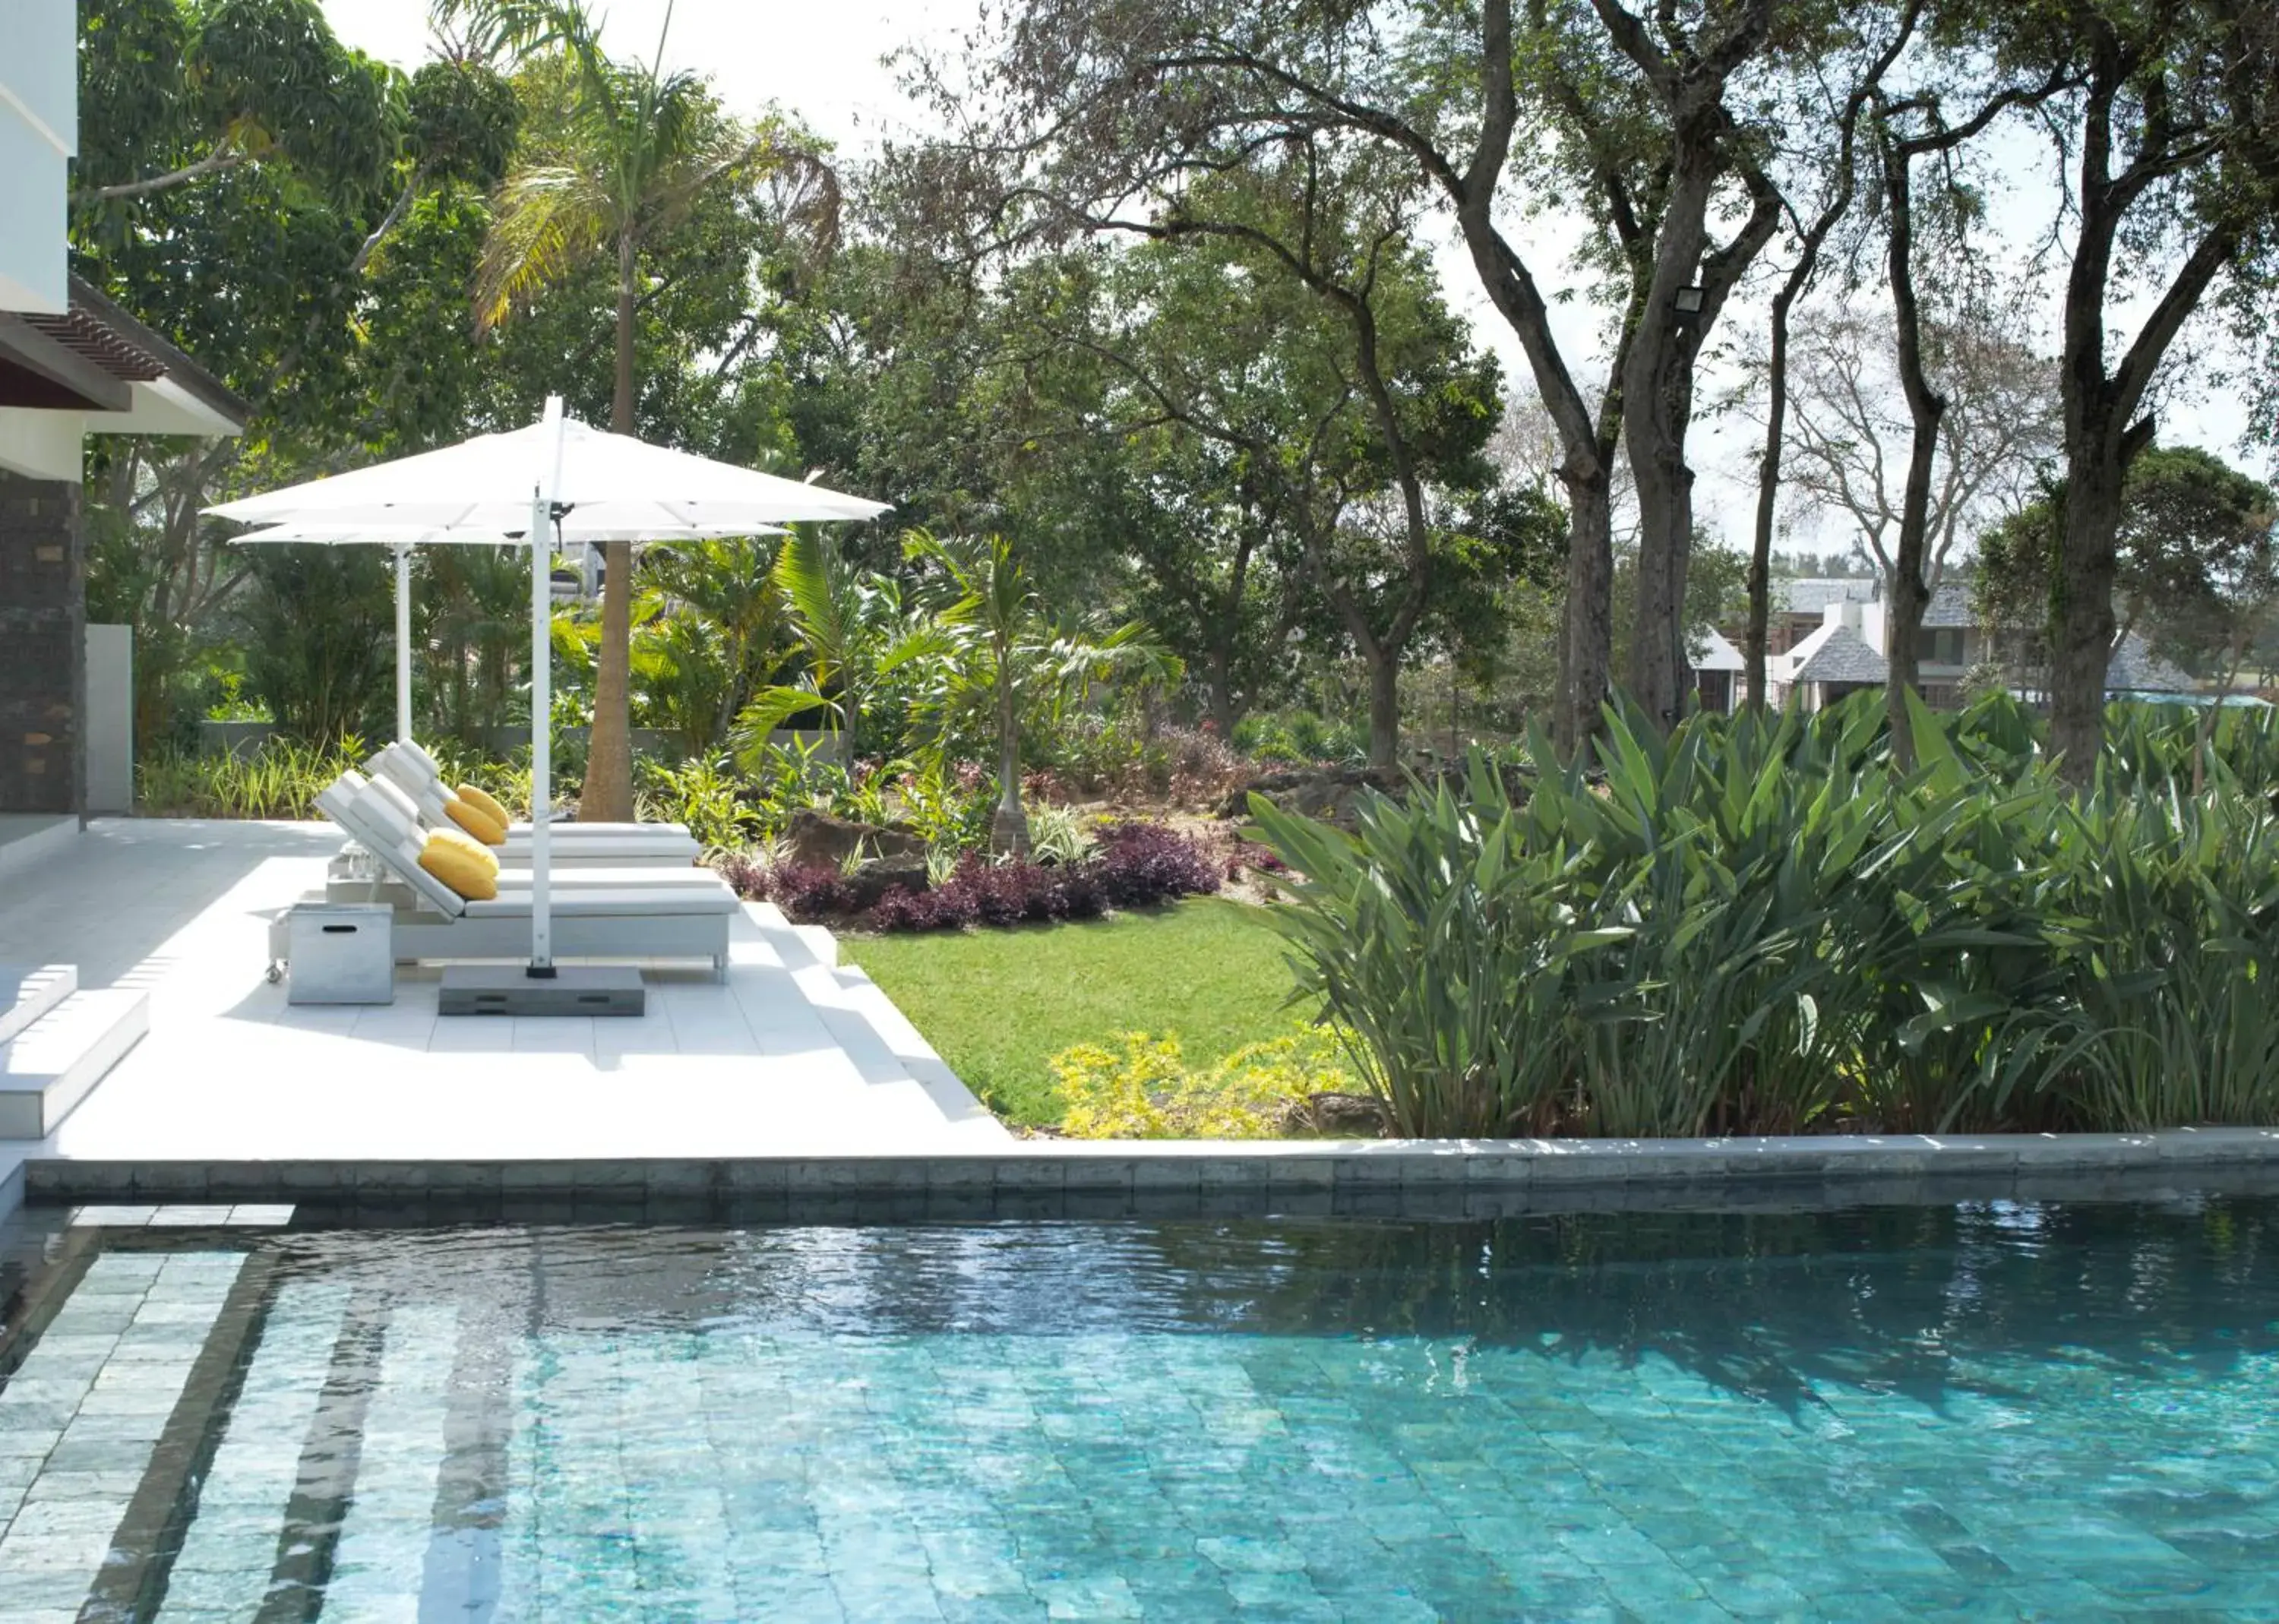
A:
(573, 990)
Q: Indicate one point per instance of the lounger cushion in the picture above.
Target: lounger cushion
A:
(450, 860)
(481, 800)
(459, 839)
(675, 852)
(475, 821)
(517, 877)
(653, 837)
(676, 903)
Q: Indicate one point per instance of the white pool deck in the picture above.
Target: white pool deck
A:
(791, 1056)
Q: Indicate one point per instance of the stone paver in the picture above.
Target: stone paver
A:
(230, 1549)
(82, 1415)
(380, 1564)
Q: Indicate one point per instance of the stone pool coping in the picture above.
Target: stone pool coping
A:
(1158, 1174)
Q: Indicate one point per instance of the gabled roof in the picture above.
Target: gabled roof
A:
(1950, 605)
(2135, 668)
(1806, 647)
(1842, 656)
(1809, 594)
(1711, 651)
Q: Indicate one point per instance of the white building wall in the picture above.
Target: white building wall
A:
(41, 445)
(108, 722)
(39, 132)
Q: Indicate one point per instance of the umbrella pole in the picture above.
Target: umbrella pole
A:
(403, 645)
(541, 693)
(539, 989)
(542, 766)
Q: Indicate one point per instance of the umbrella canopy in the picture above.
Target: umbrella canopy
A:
(567, 530)
(613, 487)
(556, 475)
(403, 538)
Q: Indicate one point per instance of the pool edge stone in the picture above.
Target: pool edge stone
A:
(1163, 1171)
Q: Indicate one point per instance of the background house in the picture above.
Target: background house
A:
(1847, 647)
(1717, 668)
(1800, 605)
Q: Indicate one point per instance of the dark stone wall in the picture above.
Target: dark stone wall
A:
(42, 645)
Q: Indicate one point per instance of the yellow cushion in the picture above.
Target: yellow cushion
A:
(460, 841)
(464, 872)
(475, 821)
(490, 809)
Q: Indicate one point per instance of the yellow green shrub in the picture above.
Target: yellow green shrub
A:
(1142, 1088)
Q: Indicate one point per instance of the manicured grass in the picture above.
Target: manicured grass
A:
(998, 1005)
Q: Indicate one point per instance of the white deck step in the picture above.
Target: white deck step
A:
(795, 947)
(55, 1062)
(888, 1052)
(27, 994)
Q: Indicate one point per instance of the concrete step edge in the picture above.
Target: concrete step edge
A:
(31, 991)
(55, 1062)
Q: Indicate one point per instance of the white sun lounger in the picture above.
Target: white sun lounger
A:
(416, 773)
(373, 809)
(626, 917)
(661, 849)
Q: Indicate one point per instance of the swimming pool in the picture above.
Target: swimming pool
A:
(1984, 1411)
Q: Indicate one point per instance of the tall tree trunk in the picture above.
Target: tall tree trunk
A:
(1769, 460)
(1657, 410)
(1585, 643)
(2080, 618)
(1760, 539)
(1383, 649)
(1008, 826)
(1926, 407)
(1219, 688)
(2104, 430)
(608, 795)
(1384, 704)
(1587, 632)
(1798, 278)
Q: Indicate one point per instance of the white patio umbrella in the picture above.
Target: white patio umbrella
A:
(522, 482)
(400, 539)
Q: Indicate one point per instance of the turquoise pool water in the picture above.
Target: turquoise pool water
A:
(1986, 1412)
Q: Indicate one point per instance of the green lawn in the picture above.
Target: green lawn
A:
(998, 1005)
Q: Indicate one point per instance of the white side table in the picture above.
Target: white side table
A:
(342, 953)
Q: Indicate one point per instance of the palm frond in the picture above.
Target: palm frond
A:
(546, 222)
(813, 581)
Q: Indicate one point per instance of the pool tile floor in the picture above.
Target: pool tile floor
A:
(390, 1441)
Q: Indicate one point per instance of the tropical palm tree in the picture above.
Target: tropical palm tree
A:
(630, 154)
(476, 601)
(855, 633)
(711, 614)
(1011, 657)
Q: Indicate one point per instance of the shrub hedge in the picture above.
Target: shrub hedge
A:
(1135, 864)
(1766, 925)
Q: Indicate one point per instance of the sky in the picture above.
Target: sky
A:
(821, 59)
(826, 63)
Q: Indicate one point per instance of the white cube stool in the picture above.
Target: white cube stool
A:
(342, 953)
